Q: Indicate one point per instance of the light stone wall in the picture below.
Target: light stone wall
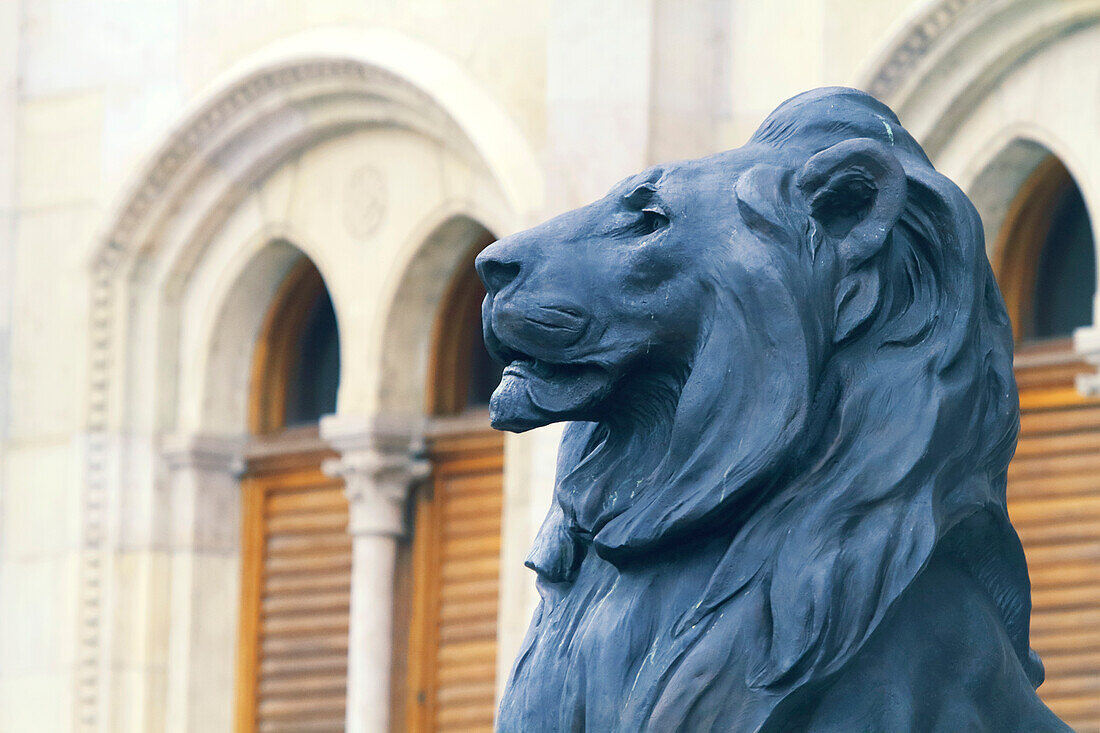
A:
(117, 525)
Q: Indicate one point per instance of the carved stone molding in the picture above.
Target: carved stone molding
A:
(914, 44)
(379, 463)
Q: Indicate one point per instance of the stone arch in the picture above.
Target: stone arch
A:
(1016, 193)
(998, 180)
(145, 348)
(405, 329)
(226, 342)
(948, 54)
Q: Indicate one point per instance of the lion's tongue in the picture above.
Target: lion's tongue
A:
(578, 388)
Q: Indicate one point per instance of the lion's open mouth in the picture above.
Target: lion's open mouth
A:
(534, 392)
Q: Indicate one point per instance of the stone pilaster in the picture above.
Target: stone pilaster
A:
(203, 526)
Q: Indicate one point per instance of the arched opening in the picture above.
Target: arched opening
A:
(1046, 266)
(296, 552)
(452, 643)
(296, 367)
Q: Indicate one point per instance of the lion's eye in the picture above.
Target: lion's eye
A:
(651, 220)
(648, 221)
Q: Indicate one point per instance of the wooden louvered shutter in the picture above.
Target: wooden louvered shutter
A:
(456, 568)
(296, 568)
(1054, 502)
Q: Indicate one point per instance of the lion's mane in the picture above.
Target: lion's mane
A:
(893, 444)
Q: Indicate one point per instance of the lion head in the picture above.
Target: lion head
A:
(797, 345)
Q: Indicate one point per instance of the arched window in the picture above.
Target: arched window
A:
(296, 370)
(1047, 262)
(296, 552)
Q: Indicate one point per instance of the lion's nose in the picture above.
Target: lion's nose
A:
(496, 267)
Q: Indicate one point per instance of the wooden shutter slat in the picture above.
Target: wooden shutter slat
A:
(471, 526)
(470, 589)
(310, 624)
(314, 725)
(301, 707)
(329, 562)
(1056, 554)
(307, 523)
(1067, 531)
(307, 583)
(1041, 510)
(1054, 486)
(1054, 500)
(471, 569)
(296, 546)
(306, 603)
(1065, 597)
(1049, 466)
(1045, 422)
(307, 501)
(450, 674)
(273, 667)
(474, 609)
(304, 685)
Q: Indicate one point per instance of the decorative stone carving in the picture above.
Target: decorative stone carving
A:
(780, 501)
(379, 465)
(908, 50)
(364, 201)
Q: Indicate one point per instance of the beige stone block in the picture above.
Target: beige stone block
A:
(77, 44)
(40, 702)
(42, 484)
(60, 149)
(141, 620)
(778, 51)
(136, 699)
(49, 322)
(203, 645)
(854, 31)
(37, 618)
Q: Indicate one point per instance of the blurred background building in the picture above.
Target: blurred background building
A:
(247, 481)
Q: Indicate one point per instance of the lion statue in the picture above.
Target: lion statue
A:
(780, 500)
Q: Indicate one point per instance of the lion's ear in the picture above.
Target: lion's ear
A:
(855, 191)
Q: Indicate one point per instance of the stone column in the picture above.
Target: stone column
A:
(379, 463)
(1086, 342)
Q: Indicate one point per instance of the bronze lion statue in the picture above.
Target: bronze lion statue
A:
(780, 501)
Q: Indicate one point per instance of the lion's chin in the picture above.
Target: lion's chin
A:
(532, 394)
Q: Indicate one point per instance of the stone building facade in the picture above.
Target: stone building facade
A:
(245, 477)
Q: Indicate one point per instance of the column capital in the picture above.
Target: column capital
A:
(380, 460)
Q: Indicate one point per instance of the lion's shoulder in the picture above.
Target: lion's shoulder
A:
(940, 661)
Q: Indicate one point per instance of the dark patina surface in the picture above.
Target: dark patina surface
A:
(780, 501)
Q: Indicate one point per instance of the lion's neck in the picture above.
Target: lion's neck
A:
(621, 452)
